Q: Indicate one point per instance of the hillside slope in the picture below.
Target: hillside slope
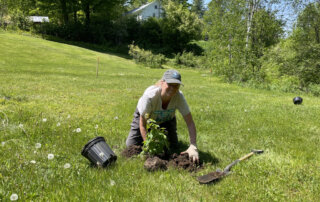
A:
(50, 94)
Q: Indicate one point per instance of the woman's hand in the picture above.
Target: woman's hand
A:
(192, 151)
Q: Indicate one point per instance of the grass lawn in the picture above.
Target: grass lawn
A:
(48, 90)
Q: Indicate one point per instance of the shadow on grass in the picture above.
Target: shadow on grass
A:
(120, 51)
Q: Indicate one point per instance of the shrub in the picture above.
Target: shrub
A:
(314, 89)
(146, 57)
(156, 141)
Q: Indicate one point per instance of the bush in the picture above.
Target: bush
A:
(314, 89)
(146, 57)
(156, 141)
(188, 59)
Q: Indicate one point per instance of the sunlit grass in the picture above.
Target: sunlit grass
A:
(52, 103)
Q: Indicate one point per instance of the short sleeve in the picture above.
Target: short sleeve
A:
(183, 105)
(144, 105)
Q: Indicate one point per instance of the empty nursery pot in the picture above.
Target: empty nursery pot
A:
(98, 152)
(297, 100)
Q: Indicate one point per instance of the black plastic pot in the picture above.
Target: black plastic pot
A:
(98, 152)
(297, 100)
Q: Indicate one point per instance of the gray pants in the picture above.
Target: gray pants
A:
(135, 138)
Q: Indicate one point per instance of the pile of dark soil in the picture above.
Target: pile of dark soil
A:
(182, 161)
(178, 161)
(131, 151)
(155, 163)
(162, 162)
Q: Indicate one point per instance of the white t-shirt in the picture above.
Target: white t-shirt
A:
(151, 103)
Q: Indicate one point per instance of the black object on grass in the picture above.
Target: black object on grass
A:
(297, 100)
(98, 152)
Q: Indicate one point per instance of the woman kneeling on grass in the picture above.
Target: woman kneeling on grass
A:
(160, 102)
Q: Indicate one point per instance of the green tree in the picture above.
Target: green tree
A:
(226, 28)
(239, 32)
(179, 26)
(309, 22)
(198, 7)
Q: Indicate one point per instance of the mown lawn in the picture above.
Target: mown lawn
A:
(48, 90)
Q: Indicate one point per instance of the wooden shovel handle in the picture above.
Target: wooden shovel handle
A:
(246, 156)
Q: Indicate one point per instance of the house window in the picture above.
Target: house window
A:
(154, 15)
(156, 7)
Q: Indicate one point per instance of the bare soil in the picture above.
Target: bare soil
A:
(155, 163)
(131, 151)
(162, 162)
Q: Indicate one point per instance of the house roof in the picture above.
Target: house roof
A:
(136, 10)
(39, 18)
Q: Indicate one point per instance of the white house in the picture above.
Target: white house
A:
(38, 19)
(152, 9)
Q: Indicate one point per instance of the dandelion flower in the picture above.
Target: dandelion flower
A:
(50, 156)
(44, 120)
(112, 182)
(58, 124)
(33, 161)
(116, 118)
(78, 130)
(20, 125)
(96, 127)
(67, 165)
(14, 197)
(38, 145)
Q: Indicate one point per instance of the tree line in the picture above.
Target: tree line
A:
(245, 40)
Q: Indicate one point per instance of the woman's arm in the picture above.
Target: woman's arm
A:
(192, 129)
(192, 150)
(142, 126)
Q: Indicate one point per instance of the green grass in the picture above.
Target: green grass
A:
(41, 80)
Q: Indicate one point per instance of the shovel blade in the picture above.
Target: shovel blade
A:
(210, 177)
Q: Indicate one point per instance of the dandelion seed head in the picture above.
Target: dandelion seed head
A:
(101, 154)
(58, 124)
(38, 145)
(50, 156)
(34, 152)
(3, 143)
(67, 165)
(20, 125)
(78, 130)
(248, 129)
(112, 182)
(68, 117)
(33, 161)
(44, 120)
(96, 127)
(116, 118)
(14, 197)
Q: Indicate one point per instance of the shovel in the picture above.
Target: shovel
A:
(218, 174)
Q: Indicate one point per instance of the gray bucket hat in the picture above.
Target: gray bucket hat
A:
(172, 76)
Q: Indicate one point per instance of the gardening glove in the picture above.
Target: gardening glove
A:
(192, 151)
